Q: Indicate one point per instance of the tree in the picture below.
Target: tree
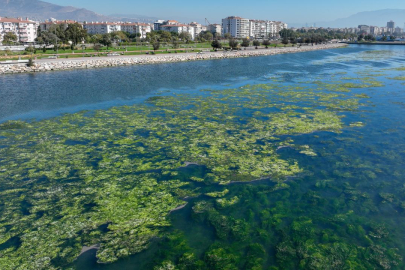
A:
(119, 36)
(285, 41)
(256, 43)
(47, 37)
(185, 36)
(384, 38)
(227, 36)
(245, 43)
(266, 43)
(156, 46)
(392, 37)
(75, 33)
(106, 40)
(165, 36)
(369, 37)
(233, 44)
(9, 38)
(94, 39)
(206, 35)
(216, 44)
(360, 37)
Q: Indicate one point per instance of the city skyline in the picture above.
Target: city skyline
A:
(319, 11)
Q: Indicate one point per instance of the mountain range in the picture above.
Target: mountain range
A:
(375, 18)
(40, 10)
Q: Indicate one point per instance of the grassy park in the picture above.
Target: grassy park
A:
(88, 50)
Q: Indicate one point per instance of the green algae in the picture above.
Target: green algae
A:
(111, 177)
(217, 194)
(399, 78)
(357, 124)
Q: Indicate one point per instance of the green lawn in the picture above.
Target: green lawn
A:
(128, 50)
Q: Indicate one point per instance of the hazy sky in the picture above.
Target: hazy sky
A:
(291, 11)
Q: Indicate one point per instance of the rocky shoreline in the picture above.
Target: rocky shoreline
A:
(58, 64)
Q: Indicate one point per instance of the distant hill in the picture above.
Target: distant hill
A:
(376, 18)
(40, 10)
(132, 18)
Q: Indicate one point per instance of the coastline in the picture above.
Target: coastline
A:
(64, 64)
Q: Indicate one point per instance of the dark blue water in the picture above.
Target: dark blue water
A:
(40, 95)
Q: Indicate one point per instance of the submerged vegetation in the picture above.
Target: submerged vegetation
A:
(111, 177)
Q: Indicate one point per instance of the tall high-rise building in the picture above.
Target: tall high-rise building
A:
(236, 26)
(391, 26)
(244, 28)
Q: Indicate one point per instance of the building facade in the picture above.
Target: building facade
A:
(257, 29)
(263, 29)
(137, 28)
(25, 30)
(47, 25)
(375, 30)
(174, 26)
(237, 27)
(391, 26)
(215, 29)
(179, 28)
(101, 27)
(365, 29)
(198, 28)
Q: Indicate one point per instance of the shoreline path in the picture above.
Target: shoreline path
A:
(127, 60)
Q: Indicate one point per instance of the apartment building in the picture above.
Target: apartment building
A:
(137, 28)
(375, 30)
(215, 29)
(174, 26)
(262, 29)
(25, 30)
(391, 26)
(101, 27)
(364, 29)
(198, 28)
(179, 28)
(47, 25)
(237, 27)
(243, 28)
(280, 26)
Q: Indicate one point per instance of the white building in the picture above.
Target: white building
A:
(263, 29)
(136, 28)
(101, 27)
(179, 28)
(244, 28)
(364, 29)
(198, 28)
(280, 26)
(236, 26)
(157, 24)
(45, 26)
(375, 30)
(215, 29)
(25, 30)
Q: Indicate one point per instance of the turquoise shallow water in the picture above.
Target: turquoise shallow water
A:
(344, 208)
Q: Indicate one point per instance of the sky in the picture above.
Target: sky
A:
(291, 11)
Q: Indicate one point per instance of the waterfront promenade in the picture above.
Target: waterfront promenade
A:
(98, 62)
